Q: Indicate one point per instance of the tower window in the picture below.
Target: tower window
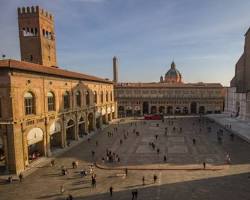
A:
(36, 31)
(43, 32)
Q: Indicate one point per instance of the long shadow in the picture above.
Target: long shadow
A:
(233, 187)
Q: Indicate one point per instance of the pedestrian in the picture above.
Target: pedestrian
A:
(10, 179)
(21, 177)
(70, 197)
(126, 171)
(111, 191)
(133, 194)
(204, 165)
(165, 158)
(143, 180)
(136, 193)
(52, 163)
(73, 165)
(158, 151)
(194, 141)
(155, 178)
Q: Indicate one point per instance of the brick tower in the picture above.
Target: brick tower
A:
(37, 36)
(115, 69)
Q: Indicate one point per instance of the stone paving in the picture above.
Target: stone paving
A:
(185, 180)
(238, 126)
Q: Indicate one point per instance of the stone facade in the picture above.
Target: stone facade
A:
(174, 97)
(237, 98)
(56, 127)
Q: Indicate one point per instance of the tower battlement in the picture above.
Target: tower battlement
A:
(37, 35)
(34, 10)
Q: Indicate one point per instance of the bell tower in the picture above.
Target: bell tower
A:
(37, 36)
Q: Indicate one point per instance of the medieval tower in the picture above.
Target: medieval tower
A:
(115, 69)
(37, 36)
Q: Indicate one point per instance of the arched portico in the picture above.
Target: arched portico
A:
(81, 127)
(90, 122)
(70, 130)
(35, 142)
(55, 135)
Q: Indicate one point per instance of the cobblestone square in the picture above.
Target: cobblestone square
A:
(181, 176)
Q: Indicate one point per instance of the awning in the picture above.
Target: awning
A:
(34, 136)
(55, 128)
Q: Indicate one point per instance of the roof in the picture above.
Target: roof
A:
(168, 85)
(54, 71)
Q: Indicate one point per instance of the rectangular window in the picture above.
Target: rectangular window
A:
(51, 106)
(28, 106)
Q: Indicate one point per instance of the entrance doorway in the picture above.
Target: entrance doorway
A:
(145, 107)
(202, 110)
(35, 144)
(2, 156)
(70, 130)
(81, 127)
(193, 108)
(170, 110)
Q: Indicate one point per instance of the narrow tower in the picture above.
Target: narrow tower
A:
(37, 36)
(115, 69)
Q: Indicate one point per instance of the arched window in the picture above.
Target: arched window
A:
(78, 99)
(29, 103)
(95, 97)
(87, 98)
(66, 100)
(101, 97)
(51, 101)
(107, 96)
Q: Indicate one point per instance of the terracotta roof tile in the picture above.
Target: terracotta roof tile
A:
(56, 71)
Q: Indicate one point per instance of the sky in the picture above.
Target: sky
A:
(204, 38)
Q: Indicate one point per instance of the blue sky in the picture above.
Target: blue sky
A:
(205, 38)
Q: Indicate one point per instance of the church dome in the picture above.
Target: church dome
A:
(173, 75)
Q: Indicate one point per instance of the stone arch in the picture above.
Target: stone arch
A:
(162, 110)
(35, 142)
(121, 111)
(193, 107)
(55, 134)
(201, 109)
(153, 110)
(81, 126)
(90, 122)
(70, 130)
(170, 110)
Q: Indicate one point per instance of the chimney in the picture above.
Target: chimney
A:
(115, 69)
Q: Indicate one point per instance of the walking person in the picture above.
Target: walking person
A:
(155, 178)
(111, 191)
(143, 180)
(204, 165)
(20, 177)
(136, 193)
